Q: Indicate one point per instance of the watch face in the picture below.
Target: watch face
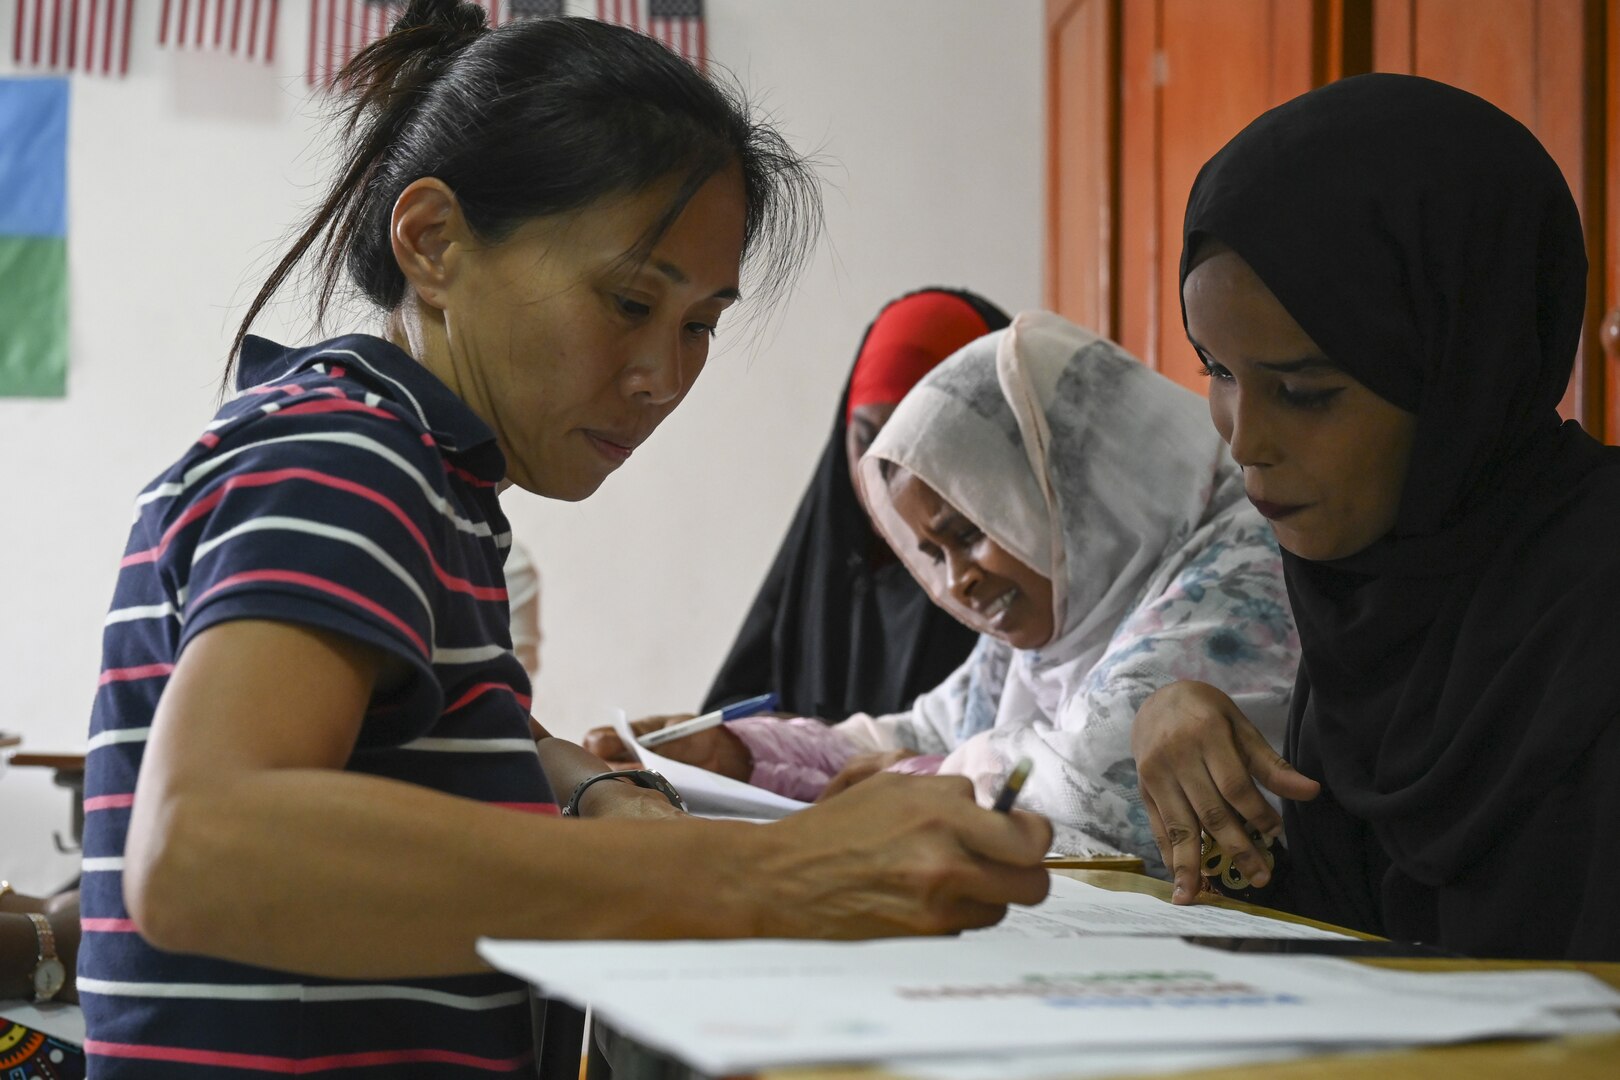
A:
(49, 977)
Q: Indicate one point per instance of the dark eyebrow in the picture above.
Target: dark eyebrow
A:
(674, 273)
(1314, 363)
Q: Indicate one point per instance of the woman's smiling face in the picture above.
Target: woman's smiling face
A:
(1006, 597)
(1323, 457)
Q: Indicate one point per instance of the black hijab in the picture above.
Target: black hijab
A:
(1459, 690)
(833, 630)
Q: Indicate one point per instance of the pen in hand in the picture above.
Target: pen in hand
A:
(1015, 784)
(752, 707)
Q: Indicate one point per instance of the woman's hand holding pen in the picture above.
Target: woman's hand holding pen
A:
(1197, 761)
(901, 855)
(715, 749)
(605, 743)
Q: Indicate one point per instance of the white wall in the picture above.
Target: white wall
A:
(186, 176)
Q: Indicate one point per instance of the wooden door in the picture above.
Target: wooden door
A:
(1082, 123)
(1142, 93)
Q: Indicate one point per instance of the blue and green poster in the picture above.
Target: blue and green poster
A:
(33, 237)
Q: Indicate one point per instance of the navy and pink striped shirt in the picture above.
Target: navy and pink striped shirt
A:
(345, 488)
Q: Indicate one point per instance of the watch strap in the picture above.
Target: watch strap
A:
(47, 936)
(47, 958)
(642, 778)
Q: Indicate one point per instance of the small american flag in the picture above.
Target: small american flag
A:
(677, 23)
(514, 10)
(245, 27)
(340, 28)
(72, 35)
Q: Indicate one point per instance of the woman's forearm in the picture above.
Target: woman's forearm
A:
(248, 841)
(344, 875)
(567, 765)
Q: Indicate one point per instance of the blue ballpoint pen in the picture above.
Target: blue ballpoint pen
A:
(751, 707)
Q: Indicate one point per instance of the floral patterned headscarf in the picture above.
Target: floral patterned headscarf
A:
(1068, 453)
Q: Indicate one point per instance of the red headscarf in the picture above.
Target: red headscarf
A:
(909, 339)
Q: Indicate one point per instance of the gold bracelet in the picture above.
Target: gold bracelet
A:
(5, 891)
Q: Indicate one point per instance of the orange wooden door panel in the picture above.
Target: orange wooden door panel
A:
(1082, 132)
(1141, 93)
(1609, 164)
(1265, 50)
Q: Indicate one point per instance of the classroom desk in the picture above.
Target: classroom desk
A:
(68, 773)
(1585, 1058)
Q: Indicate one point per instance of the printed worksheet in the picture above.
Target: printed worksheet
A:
(738, 1006)
(1076, 909)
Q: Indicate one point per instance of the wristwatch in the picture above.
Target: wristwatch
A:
(49, 974)
(643, 778)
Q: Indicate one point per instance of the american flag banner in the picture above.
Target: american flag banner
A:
(514, 10)
(72, 35)
(245, 27)
(340, 28)
(677, 23)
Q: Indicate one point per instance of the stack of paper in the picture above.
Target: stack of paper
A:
(1075, 909)
(740, 1006)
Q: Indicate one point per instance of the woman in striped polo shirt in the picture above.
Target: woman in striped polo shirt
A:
(313, 780)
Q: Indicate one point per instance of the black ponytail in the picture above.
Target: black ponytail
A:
(537, 117)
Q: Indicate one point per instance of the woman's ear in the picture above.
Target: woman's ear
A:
(428, 234)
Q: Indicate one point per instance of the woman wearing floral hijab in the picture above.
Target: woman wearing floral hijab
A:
(1074, 508)
(837, 627)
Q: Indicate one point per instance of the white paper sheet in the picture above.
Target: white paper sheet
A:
(738, 1006)
(1573, 1000)
(1574, 1003)
(706, 792)
(1076, 909)
(1099, 1064)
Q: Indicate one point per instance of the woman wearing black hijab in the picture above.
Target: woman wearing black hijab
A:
(839, 626)
(1385, 278)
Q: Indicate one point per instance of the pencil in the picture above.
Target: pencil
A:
(1015, 784)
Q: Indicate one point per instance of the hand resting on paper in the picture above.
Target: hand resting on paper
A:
(1198, 759)
(863, 767)
(716, 749)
